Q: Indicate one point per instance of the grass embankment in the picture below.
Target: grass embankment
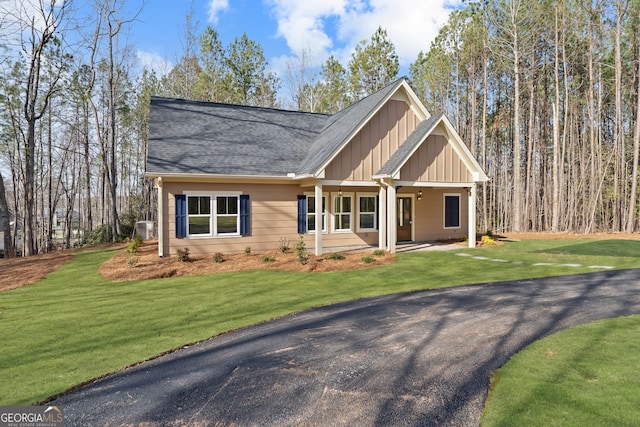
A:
(75, 325)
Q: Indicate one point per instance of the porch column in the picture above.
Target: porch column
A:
(382, 219)
(391, 219)
(160, 218)
(318, 250)
(472, 216)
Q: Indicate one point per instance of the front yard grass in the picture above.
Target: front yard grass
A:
(585, 376)
(76, 325)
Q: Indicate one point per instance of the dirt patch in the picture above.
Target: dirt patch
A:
(150, 266)
(17, 272)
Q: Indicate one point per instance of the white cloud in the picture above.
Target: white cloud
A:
(154, 61)
(411, 24)
(214, 9)
(301, 23)
(337, 26)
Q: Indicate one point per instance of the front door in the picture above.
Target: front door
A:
(405, 220)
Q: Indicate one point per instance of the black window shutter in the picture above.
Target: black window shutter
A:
(302, 214)
(181, 215)
(245, 218)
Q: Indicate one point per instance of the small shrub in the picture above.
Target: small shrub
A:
(268, 258)
(247, 250)
(301, 251)
(133, 245)
(284, 245)
(132, 250)
(489, 233)
(336, 256)
(367, 259)
(217, 257)
(183, 255)
(378, 252)
(487, 240)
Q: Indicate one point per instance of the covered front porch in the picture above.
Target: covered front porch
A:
(405, 213)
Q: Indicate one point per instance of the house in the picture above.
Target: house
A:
(379, 172)
(60, 225)
(17, 240)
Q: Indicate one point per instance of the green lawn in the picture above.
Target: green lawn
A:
(585, 376)
(75, 325)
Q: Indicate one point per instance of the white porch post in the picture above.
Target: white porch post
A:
(160, 219)
(391, 218)
(472, 216)
(382, 220)
(318, 194)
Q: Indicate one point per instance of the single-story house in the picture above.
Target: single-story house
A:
(379, 172)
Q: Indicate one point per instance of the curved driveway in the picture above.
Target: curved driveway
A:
(421, 358)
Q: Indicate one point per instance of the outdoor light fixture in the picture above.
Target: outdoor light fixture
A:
(420, 194)
(340, 192)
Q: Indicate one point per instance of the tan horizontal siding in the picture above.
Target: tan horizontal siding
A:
(273, 216)
(429, 221)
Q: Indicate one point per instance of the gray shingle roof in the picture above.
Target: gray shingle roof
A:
(212, 138)
(222, 139)
(407, 148)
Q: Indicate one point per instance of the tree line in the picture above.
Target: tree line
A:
(545, 94)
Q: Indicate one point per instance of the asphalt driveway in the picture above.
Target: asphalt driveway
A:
(414, 359)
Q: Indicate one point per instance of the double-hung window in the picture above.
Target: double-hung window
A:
(367, 212)
(311, 214)
(199, 215)
(227, 215)
(212, 215)
(342, 212)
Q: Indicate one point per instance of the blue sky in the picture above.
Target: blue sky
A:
(284, 28)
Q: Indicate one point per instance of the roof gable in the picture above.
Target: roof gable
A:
(345, 124)
(392, 168)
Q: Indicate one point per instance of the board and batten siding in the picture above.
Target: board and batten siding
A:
(374, 144)
(435, 161)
